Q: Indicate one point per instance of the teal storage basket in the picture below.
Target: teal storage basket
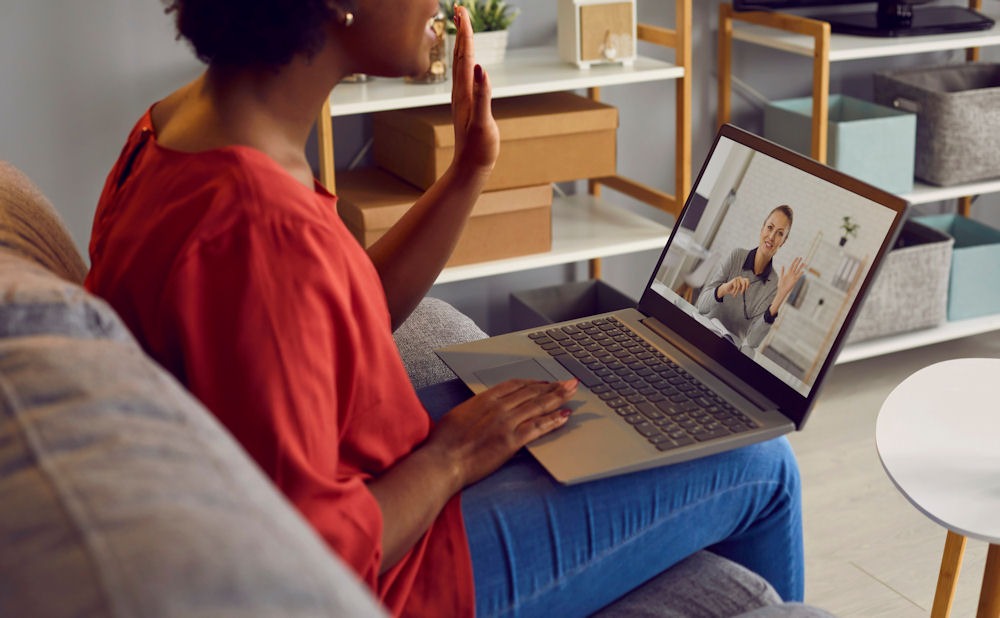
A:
(974, 286)
(871, 142)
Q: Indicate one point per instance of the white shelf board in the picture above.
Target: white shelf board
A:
(924, 193)
(850, 47)
(529, 70)
(583, 227)
(915, 339)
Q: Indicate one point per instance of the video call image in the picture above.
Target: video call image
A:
(771, 259)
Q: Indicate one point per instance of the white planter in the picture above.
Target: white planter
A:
(491, 47)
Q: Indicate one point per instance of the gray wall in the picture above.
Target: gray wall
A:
(76, 75)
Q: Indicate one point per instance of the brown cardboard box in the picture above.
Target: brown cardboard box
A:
(503, 224)
(545, 138)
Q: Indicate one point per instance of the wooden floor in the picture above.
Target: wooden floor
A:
(869, 552)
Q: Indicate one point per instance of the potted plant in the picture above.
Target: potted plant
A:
(850, 229)
(490, 20)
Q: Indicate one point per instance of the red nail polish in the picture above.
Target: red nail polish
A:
(479, 74)
(565, 412)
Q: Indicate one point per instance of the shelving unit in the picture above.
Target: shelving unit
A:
(812, 38)
(530, 70)
(584, 227)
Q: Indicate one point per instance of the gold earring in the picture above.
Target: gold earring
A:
(348, 19)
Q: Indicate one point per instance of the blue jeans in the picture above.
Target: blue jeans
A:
(537, 545)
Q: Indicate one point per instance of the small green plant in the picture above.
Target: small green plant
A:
(484, 15)
(850, 229)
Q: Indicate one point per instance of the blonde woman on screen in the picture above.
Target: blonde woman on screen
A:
(746, 292)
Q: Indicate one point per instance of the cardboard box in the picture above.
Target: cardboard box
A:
(974, 287)
(868, 141)
(503, 224)
(545, 138)
(569, 301)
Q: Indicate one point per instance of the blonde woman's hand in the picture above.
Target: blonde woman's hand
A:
(477, 138)
(733, 287)
(787, 278)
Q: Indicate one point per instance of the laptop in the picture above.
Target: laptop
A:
(684, 374)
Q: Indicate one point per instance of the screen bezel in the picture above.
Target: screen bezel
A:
(789, 401)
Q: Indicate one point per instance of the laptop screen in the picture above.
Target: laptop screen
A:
(770, 255)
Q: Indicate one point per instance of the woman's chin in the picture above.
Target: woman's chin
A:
(420, 70)
(413, 69)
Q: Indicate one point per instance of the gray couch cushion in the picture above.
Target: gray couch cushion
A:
(433, 324)
(707, 586)
(33, 301)
(702, 586)
(788, 610)
(30, 226)
(122, 496)
(40, 267)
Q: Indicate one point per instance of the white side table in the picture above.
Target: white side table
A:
(938, 436)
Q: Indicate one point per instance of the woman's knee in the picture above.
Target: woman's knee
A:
(774, 461)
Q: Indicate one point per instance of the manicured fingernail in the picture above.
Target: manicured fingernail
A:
(565, 412)
(458, 13)
(479, 74)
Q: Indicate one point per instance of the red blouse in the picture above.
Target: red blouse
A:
(247, 286)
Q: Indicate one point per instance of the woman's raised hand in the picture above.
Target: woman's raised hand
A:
(477, 138)
(787, 278)
(482, 433)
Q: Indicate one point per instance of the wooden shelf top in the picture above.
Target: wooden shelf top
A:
(850, 47)
(583, 227)
(917, 338)
(529, 70)
(924, 193)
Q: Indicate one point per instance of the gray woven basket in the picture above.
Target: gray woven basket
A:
(958, 119)
(910, 291)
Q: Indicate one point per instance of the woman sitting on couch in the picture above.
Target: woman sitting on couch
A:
(229, 263)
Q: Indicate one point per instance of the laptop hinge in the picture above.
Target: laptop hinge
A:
(710, 365)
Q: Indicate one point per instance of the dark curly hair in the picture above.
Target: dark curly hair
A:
(242, 33)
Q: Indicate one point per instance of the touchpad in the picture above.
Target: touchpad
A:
(528, 369)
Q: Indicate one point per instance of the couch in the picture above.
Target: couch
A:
(120, 495)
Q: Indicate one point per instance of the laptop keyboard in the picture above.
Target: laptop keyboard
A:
(663, 402)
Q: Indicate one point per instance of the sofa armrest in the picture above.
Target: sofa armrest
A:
(31, 227)
(432, 325)
(123, 496)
